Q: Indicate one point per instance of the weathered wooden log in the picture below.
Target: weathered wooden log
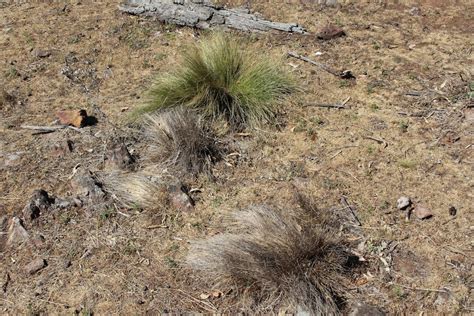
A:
(203, 14)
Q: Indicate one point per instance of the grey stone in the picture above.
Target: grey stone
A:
(118, 157)
(85, 184)
(17, 234)
(35, 266)
(403, 203)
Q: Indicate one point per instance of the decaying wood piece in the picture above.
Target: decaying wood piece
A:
(203, 14)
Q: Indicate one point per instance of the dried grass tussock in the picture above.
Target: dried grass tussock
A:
(179, 140)
(138, 190)
(291, 260)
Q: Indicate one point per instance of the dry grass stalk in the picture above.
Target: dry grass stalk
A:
(277, 261)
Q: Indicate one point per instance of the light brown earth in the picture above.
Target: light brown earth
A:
(118, 266)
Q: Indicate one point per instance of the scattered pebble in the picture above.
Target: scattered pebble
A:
(330, 32)
(35, 266)
(415, 11)
(67, 263)
(38, 241)
(17, 233)
(403, 203)
(38, 203)
(41, 53)
(180, 200)
(76, 118)
(118, 157)
(422, 212)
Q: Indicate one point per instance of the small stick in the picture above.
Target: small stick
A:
(48, 129)
(123, 214)
(413, 93)
(332, 106)
(156, 226)
(329, 106)
(378, 140)
(44, 128)
(320, 65)
(350, 208)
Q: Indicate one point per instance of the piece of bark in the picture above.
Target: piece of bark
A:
(203, 14)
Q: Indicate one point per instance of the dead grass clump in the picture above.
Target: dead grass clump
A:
(138, 190)
(277, 261)
(179, 140)
(221, 78)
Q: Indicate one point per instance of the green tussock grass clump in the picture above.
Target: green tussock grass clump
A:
(222, 78)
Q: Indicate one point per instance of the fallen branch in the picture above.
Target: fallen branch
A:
(203, 14)
(329, 106)
(44, 128)
(48, 129)
(346, 74)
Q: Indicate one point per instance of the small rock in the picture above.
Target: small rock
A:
(422, 212)
(443, 297)
(62, 148)
(17, 233)
(180, 200)
(453, 211)
(67, 263)
(41, 53)
(62, 203)
(77, 118)
(77, 202)
(39, 202)
(39, 242)
(204, 296)
(362, 309)
(35, 266)
(119, 157)
(415, 11)
(86, 184)
(330, 32)
(403, 203)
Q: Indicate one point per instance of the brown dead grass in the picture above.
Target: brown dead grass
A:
(277, 260)
(133, 269)
(178, 140)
